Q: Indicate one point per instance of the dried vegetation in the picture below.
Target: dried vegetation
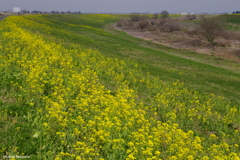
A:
(206, 35)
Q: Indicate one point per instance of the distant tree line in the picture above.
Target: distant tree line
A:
(55, 12)
(211, 28)
(236, 12)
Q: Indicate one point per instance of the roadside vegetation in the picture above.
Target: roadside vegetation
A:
(72, 87)
(216, 35)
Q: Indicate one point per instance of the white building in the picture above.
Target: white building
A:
(183, 13)
(16, 9)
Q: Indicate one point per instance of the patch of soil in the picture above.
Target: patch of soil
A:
(183, 40)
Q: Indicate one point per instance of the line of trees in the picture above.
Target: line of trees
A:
(236, 12)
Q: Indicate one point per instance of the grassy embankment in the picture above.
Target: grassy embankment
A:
(73, 88)
(168, 63)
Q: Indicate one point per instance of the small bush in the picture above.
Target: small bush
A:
(153, 22)
(192, 32)
(135, 17)
(236, 52)
(123, 22)
(191, 17)
(173, 27)
(195, 42)
(222, 43)
(144, 23)
(163, 28)
(167, 26)
(152, 28)
(230, 35)
(162, 22)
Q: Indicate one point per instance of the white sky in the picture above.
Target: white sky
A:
(125, 6)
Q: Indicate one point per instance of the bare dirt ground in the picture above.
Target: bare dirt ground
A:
(183, 40)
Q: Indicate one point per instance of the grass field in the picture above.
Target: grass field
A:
(72, 87)
(232, 20)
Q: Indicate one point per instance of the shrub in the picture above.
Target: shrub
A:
(153, 22)
(222, 43)
(166, 26)
(191, 17)
(230, 35)
(135, 17)
(162, 26)
(123, 22)
(210, 28)
(236, 52)
(162, 22)
(173, 27)
(195, 42)
(192, 32)
(144, 23)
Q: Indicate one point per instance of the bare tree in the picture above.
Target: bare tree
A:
(164, 14)
(135, 17)
(191, 17)
(210, 28)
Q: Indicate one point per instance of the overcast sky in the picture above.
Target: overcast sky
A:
(124, 6)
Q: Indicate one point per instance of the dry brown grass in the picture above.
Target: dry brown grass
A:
(123, 22)
(236, 52)
(231, 35)
(183, 35)
(165, 25)
(143, 24)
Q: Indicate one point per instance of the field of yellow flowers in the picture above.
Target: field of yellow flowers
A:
(63, 100)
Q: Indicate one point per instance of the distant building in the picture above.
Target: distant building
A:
(182, 13)
(16, 9)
